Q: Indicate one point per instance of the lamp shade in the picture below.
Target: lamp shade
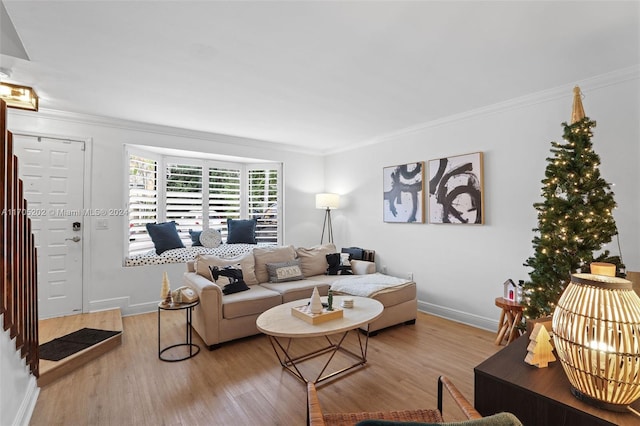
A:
(327, 201)
(596, 327)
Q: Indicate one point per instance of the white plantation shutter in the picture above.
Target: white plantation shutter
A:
(263, 203)
(224, 197)
(199, 194)
(183, 191)
(143, 202)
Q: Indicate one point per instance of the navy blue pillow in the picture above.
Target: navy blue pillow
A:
(164, 236)
(241, 231)
(195, 238)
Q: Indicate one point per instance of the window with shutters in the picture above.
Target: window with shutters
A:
(183, 198)
(143, 201)
(200, 194)
(224, 197)
(263, 202)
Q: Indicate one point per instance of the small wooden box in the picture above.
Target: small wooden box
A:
(304, 313)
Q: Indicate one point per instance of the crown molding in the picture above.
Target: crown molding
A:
(586, 85)
(123, 124)
(589, 84)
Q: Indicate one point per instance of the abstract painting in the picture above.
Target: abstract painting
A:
(403, 188)
(456, 192)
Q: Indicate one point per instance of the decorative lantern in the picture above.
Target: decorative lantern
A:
(596, 331)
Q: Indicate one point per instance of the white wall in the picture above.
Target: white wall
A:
(18, 392)
(460, 269)
(136, 289)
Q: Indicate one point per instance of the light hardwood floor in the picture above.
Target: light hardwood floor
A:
(52, 328)
(242, 383)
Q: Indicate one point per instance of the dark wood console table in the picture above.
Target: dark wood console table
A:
(537, 396)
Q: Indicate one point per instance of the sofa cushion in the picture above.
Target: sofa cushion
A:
(296, 290)
(241, 231)
(284, 271)
(254, 301)
(313, 261)
(204, 261)
(264, 255)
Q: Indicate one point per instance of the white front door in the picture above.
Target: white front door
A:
(52, 172)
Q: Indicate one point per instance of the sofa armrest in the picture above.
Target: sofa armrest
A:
(362, 267)
(208, 314)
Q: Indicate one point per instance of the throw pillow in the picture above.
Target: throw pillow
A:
(210, 238)
(313, 261)
(234, 274)
(241, 231)
(264, 255)
(356, 252)
(164, 236)
(246, 262)
(335, 265)
(362, 267)
(284, 271)
(195, 238)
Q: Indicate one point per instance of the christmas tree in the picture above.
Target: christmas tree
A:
(575, 220)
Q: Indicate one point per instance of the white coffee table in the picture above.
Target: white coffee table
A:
(282, 327)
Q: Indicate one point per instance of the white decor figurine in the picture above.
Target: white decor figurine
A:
(166, 288)
(315, 303)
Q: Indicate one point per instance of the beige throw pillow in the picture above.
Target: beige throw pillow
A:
(246, 262)
(264, 255)
(313, 261)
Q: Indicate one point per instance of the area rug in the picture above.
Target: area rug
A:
(71, 343)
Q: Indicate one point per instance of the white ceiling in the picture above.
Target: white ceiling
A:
(318, 75)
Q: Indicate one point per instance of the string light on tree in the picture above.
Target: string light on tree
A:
(574, 218)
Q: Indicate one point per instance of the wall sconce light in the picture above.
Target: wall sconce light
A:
(21, 97)
(327, 202)
(596, 331)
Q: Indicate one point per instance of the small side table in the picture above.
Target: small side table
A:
(509, 319)
(193, 348)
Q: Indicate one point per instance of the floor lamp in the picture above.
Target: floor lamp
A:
(327, 202)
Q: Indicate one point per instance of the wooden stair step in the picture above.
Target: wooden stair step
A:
(52, 328)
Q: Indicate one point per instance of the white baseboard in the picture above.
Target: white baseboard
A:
(23, 416)
(489, 324)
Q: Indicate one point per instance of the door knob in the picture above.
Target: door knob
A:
(74, 239)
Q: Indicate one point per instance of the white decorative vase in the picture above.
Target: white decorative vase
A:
(166, 287)
(316, 303)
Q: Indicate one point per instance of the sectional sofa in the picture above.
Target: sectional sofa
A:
(223, 317)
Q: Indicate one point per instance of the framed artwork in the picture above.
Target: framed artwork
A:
(456, 193)
(403, 188)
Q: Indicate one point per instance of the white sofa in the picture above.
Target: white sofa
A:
(220, 318)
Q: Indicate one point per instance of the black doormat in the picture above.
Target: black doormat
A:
(64, 346)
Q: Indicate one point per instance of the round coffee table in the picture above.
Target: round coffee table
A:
(281, 326)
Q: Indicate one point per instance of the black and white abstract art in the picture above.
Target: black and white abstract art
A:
(456, 189)
(404, 193)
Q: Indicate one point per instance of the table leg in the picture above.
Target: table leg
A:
(514, 328)
(291, 364)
